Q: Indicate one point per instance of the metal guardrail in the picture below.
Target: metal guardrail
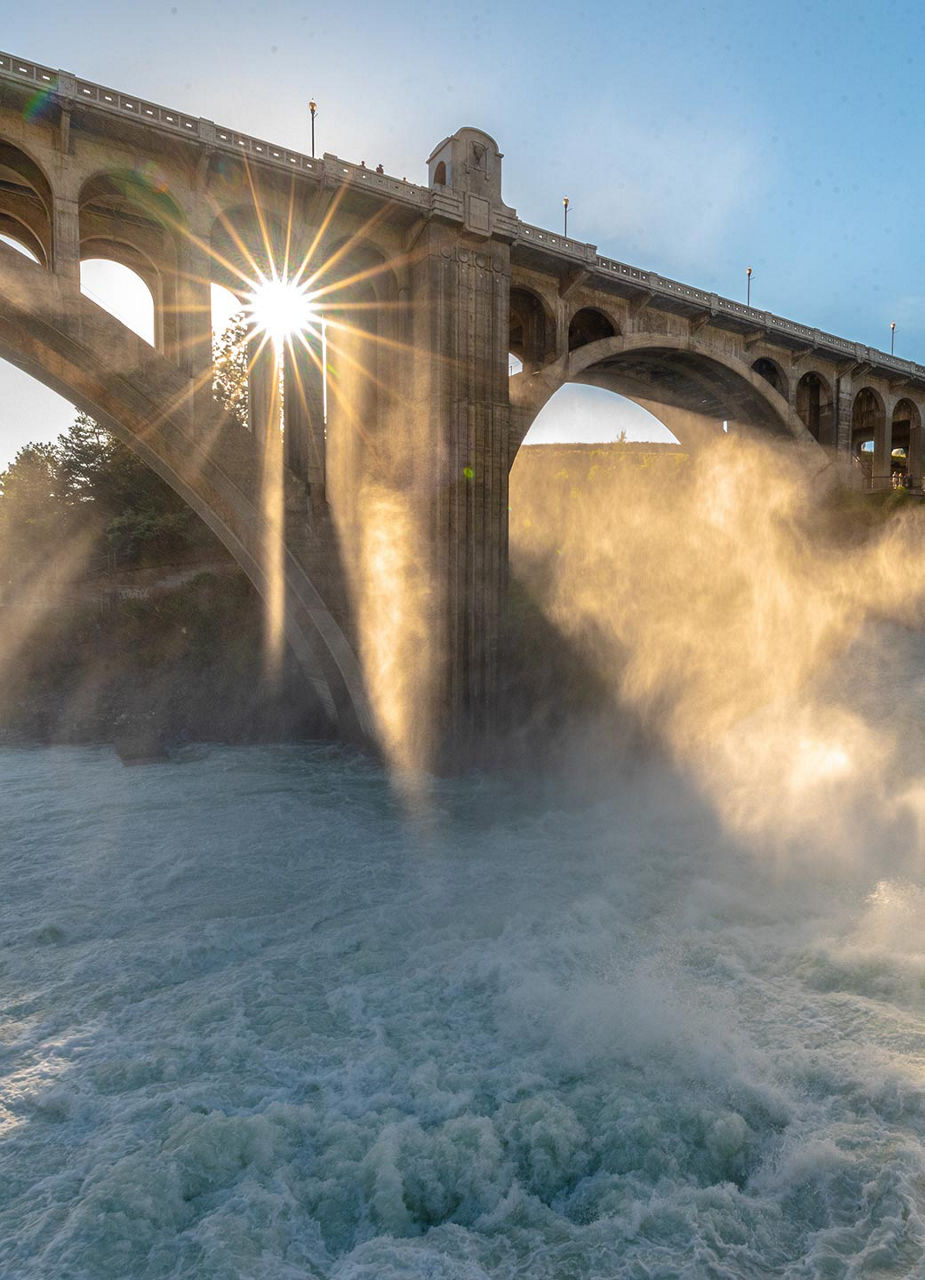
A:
(330, 167)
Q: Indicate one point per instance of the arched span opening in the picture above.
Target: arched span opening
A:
(772, 373)
(581, 431)
(696, 394)
(906, 445)
(531, 329)
(815, 405)
(230, 355)
(591, 456)
(25, 203)
(440, 174)
(129, 218)
(120, 291)
(588, 416)
(20, 246)
(588, 325)
(869, 438)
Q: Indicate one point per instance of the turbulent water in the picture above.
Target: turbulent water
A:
(258, 1025)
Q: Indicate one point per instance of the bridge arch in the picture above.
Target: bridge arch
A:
(906, 435)
(868, 418)
(531, 328)
(129, 219)
(589, 325)
(122, 291)
(772, 372)
(72, 346)
(691, 389)
(244, 244)
(25, 201)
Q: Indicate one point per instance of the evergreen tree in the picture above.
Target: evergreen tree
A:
(90, 486)
(31, 510)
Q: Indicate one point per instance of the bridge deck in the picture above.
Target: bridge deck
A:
(662, 292)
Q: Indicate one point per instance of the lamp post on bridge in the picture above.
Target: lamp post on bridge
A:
(565, 216)
(313, 107)
(748, 286)
(892, 335)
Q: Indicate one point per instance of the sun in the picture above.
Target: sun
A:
(282, 309)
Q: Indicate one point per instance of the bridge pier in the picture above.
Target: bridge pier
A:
(303, 413)
(66, 237)
(193, 327)
(461, 274)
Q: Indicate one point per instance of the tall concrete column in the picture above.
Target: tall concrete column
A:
(303, 412)
(883, 453)
(462, 381)
(462, 406)
(187, 302)
(65, 219)
(168, 327)
(262, 396)
(844, 403)
(914, 458)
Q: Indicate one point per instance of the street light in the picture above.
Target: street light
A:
(892, 335)
(313, 107)
(565, 215)
(748, 286)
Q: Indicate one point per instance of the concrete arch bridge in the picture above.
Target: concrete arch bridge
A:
(424, 291)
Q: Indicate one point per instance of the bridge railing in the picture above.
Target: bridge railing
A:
(559, 244)
(666, 287)
(67, 86)
(332, 169)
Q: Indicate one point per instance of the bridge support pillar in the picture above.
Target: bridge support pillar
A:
(914, 457)
(189, 290)
(844, 400)
(460, 398)
(66, 239)
(303, 413)
(262, 395)
(883, 455)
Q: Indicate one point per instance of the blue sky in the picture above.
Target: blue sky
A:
(693, 139)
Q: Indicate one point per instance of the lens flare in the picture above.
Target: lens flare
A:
(282, 309)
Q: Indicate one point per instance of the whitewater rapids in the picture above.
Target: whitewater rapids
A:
(256, 1026)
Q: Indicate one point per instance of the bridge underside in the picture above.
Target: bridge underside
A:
(53, 333)
(685, 381)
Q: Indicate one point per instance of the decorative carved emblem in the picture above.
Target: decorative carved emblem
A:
(480, 157)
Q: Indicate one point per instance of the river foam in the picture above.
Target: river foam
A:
(256, 1028)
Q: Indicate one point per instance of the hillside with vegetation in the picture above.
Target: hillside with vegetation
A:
(122, 618)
